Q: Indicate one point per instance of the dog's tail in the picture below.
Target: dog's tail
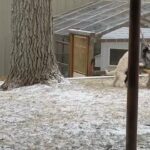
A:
(110, 73)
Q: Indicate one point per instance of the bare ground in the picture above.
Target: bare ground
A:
(76, 115)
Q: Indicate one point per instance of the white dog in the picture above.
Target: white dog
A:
(146, 60)
(120, 71)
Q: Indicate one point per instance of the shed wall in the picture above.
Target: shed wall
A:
(105, 52)
(104, 58)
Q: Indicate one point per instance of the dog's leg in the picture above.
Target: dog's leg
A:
(126, 78)
(115, 80)
(121, 77)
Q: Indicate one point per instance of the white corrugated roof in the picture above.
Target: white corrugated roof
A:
(123, 33)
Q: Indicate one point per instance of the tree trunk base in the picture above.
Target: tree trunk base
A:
(15, 83)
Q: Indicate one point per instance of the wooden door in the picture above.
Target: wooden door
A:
(80, 53)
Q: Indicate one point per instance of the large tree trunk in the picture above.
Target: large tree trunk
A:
(33, 59)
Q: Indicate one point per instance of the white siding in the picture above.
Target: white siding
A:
(105, 52)
(98, 60)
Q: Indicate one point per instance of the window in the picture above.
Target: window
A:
(115, 55)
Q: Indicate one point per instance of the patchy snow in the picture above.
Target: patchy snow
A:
(80, 115)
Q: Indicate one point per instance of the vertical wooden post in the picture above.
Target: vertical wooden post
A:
(71, 55)
(133, 72)
(91, 39)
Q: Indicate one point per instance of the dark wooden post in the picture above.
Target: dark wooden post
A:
(133, 72)
(71, 42)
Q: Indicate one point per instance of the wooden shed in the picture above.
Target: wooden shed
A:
(79, 33)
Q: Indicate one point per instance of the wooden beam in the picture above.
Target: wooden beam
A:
(81, 32)
(71, 55)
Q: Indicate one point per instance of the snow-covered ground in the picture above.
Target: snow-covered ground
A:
(80, 115)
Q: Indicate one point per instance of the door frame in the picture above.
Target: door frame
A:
(90, 52)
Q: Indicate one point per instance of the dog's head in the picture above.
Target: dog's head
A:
(146, 55)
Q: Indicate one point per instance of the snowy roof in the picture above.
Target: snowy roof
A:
(123, 33)
(100, 17)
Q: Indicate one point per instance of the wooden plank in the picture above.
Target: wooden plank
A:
(91, 42)
(71, 55)
(81, 32)
(80, 51)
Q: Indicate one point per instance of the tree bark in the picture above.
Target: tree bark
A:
(32, 58)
